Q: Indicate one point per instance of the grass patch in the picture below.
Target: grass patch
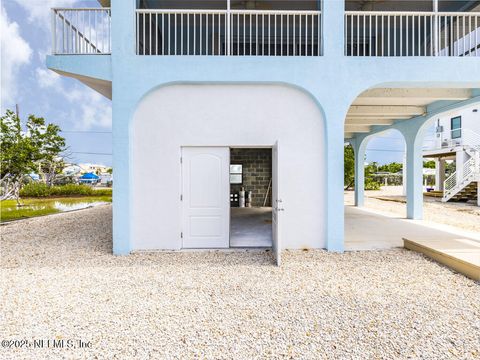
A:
(41, 190)
(33, 207)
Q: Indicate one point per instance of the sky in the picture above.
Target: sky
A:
(83, 114)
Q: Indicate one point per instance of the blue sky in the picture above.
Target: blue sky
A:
(83, 114)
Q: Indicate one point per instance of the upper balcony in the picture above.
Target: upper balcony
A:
(275, 28)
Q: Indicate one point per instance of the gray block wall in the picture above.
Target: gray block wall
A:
(257, 172)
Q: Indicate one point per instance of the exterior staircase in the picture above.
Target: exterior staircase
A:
(464, 187)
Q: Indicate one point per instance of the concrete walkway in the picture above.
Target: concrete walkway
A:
(370, 230)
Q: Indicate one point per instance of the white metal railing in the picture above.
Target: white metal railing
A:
(380, 33)
(449, 184)
(452, 185)
(228, 32)
(81, 31)
(458, 137)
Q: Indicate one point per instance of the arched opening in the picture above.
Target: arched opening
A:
(451, 149)
(282, 119)
(383, 169)
(411, 127)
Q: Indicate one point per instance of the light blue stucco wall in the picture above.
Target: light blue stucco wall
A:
(333, 80)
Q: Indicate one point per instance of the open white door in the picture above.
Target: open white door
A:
(276, 208)
(205, 197)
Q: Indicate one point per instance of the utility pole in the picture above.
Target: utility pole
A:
(17, 112)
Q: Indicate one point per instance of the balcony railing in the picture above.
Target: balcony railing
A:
(229, 33)
(269, 33)
(412, 34)
(81, 31)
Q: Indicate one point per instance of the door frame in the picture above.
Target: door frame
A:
(229, 147)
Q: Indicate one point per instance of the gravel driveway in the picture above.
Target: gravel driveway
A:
(60, 281)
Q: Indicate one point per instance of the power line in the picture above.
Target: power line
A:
(89, 153)
(85, 132)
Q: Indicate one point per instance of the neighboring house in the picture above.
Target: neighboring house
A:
(193, 82)
(457, 138)
(72, 170)
(106, 179)
(95, 168)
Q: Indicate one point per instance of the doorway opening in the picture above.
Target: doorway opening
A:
(250, 197)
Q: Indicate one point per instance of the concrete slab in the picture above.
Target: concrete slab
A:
(461, 255)
(251, 227)
(372, 230)
(455, 248)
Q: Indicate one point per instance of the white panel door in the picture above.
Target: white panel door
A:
(276, 208)
(206, 197)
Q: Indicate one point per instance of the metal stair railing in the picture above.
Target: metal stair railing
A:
(470, 173)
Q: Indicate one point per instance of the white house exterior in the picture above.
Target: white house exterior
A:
(457, 138)
(193, 82)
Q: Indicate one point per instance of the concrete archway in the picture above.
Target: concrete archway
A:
(360, 146)
(173, 116)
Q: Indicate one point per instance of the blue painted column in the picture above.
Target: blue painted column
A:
(414, 177)
(333, 19)
(335, 105)
(335, 172)
(360, 146)
(123, 50)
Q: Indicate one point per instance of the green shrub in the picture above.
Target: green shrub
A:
(37, 189)
(370, 184)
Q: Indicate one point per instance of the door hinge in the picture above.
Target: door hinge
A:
(181, 160)
(181, 235)
(181, 197)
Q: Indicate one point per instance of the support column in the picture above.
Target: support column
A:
(439, 174)
(360, 150)
(478, 193)
(123, 50)
(404, 173)
(414, 179)
(333, 18)
(335, 178)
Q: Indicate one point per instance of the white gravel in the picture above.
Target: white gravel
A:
(60, 281)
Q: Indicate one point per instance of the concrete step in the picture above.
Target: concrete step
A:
(435, 194)
(461, 255)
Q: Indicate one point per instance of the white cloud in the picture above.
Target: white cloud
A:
(39, 11)
(47, 78)
(15, 52)
(90, 109)
(95, 111)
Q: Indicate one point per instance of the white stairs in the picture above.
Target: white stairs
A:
(463, 185)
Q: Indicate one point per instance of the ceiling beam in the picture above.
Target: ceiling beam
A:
(391, 118)
(357, 128)
(385, 111)
(369, 121)
(432, 94)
